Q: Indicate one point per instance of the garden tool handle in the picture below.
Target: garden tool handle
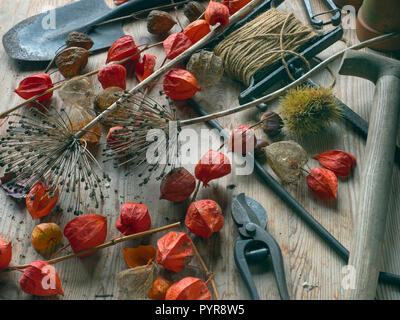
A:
(370, 220)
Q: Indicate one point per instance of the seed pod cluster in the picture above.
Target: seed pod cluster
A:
(159, 22)
(71, 61)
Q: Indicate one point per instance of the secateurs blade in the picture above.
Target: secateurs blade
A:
(256, 244)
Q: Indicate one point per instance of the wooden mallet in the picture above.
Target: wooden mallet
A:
(370, 220)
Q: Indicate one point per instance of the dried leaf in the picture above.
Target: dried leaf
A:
(135, 283)
(282, 155)
(85, 232)
(41, 279)
(46, 238)
(140, 256)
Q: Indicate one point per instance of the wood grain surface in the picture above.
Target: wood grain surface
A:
(307, 259)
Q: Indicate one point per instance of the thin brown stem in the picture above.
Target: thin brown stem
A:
(102, 246)
(209, 275)
(196, 191)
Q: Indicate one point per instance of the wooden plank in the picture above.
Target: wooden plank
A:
(307, 258)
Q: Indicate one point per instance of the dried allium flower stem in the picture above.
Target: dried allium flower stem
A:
(102, 246)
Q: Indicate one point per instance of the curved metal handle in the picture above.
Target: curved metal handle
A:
(241, 263)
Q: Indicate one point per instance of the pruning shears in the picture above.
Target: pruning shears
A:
(255, 244)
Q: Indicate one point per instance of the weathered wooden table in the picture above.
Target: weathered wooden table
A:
(307, 259)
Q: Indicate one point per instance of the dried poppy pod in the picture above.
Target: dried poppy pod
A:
(188, 288)
(177, 185)
(159, 22)
(204, 218)
(71, 61)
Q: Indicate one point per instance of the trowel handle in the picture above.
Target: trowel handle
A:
(376, 180)
(129, 8)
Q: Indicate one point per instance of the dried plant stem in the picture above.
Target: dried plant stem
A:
(196, 191)
(91, 73)
(209, 275)
(102, 246)
(198, 45)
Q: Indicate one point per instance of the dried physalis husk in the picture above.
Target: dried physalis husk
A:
(159, 22)
(78, 39)
(273, 123)
(106, 99)
(207, 68)
(134, 284)
(286, 159)
(79, 119)
(193, 10)
(71, 61)
(46, 238)
(78, 91)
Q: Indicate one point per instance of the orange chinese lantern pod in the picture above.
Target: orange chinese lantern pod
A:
(123, 48)
(112, 75)
(244, 138)
(5, 253)
(140, 256)
(34, 85)
(41, 279)
(85, 232)
(159, 289)
(188, 288)
(235, 5)
(338, 161)
(134, 218)
(41, 201)
(180, 84)
(213, 165)
(175, 44)
(204, 218)
(144, 68)
(178, 185)
(217, 12)
(197, 30)
(174, 251)
(323, 183)
(45, 238)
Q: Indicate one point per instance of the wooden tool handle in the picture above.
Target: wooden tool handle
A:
(370, 220)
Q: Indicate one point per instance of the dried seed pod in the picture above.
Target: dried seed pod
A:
(207, 68)
(217, 12)
(159, 289)
(175, 44)
(78, 39)
(178, 185)
(197, 30)
(188, 288)
(242, 140)
(179, 84)
(273, 123)
(338, 161)
(323, 183)
(213, 165)
(71, 61)
(159, 22)
(112, 75)
(45, 238)
(134, 218)
(41, 200)
(282, 155)
(193, 10)
(106, 99)
(204, 218)
(34, 85)
(5, 253)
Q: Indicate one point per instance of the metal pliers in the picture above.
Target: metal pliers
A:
(332, 9)
(255, 244)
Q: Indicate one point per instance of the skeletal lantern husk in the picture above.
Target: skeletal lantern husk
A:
(286, 159)
(207, 68)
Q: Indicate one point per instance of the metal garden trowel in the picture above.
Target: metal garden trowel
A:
(39, 37)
